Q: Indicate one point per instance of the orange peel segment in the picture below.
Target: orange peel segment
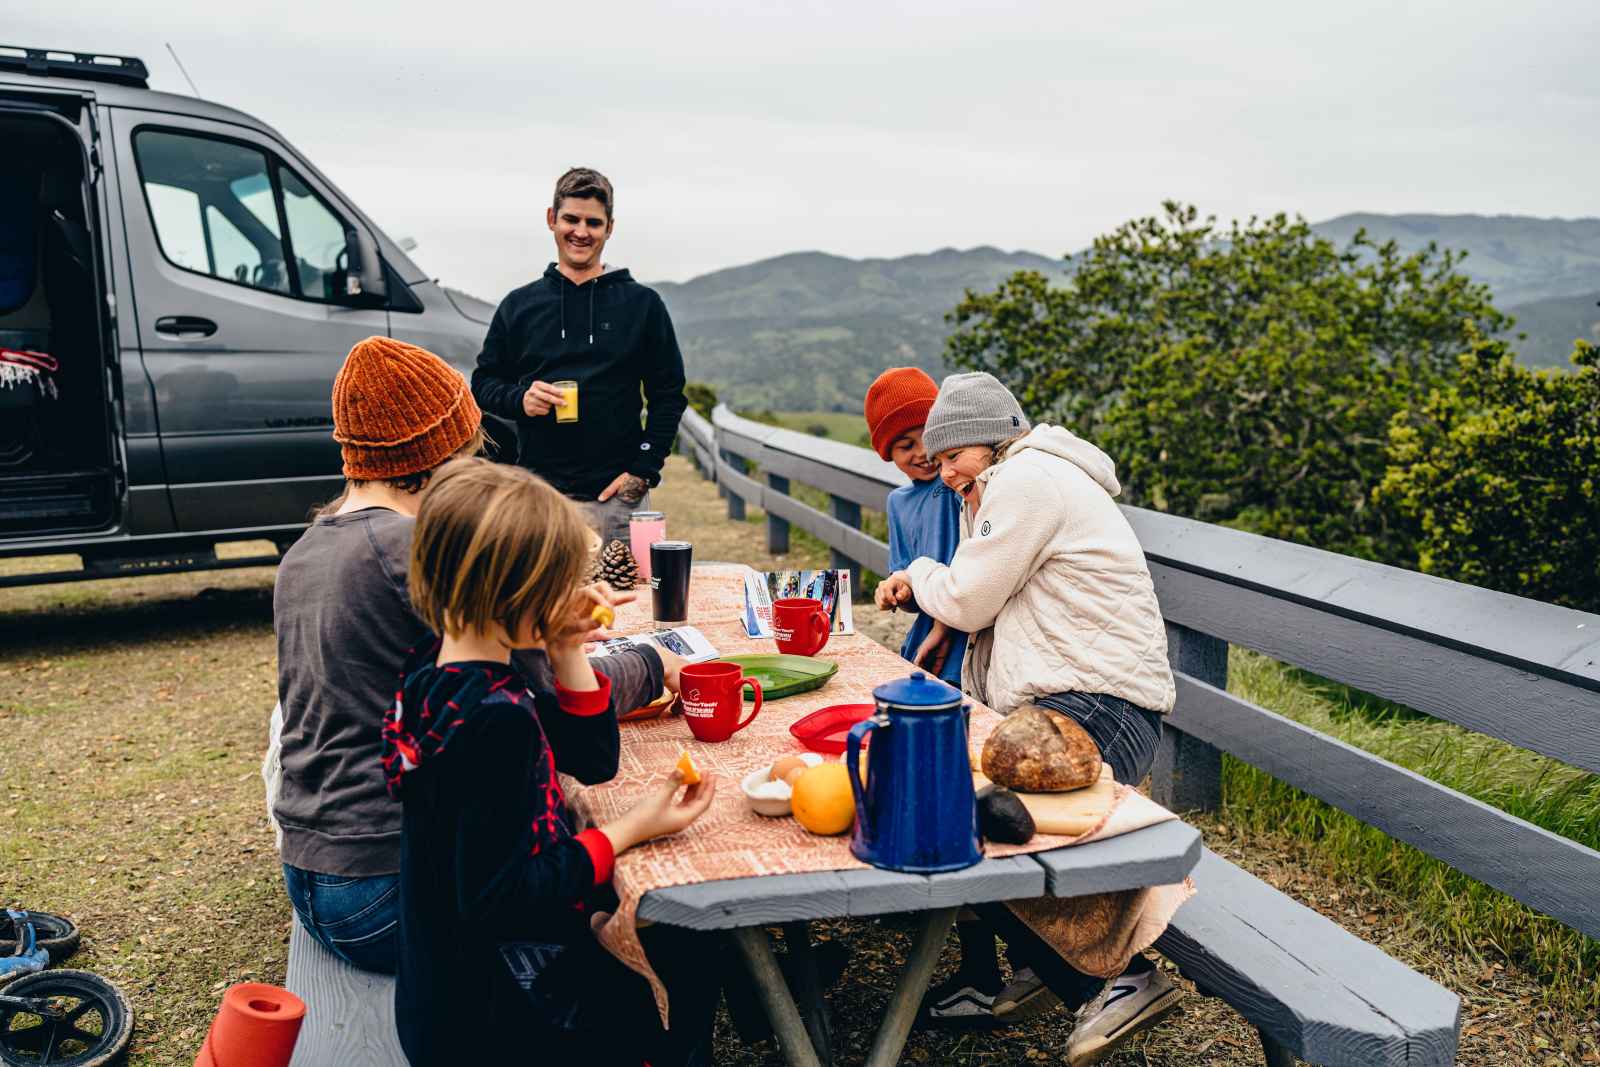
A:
(686, 768)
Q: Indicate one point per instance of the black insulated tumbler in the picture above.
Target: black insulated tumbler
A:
(669, 580)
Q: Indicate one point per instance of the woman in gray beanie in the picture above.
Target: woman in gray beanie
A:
(1052, 585)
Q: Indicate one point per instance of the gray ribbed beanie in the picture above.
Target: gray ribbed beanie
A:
(972, 409)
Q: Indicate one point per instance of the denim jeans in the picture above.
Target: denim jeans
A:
(357, 919)
(1125, 733)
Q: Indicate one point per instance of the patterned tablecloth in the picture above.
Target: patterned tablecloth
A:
(730, 840)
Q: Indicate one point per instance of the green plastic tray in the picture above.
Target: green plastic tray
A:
(784, 676)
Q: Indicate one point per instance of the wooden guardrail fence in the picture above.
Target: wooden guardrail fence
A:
(1516, 669)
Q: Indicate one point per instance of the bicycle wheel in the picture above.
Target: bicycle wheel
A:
(94, 1032)
(55, 934)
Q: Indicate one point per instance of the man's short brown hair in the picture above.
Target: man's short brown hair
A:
(495, 544)
(585, 184)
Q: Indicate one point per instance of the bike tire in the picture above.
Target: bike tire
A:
(56, 934)
(116, 1018)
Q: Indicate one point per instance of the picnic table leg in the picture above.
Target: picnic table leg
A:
(896, 1025)
(808, 990)
(756, 948)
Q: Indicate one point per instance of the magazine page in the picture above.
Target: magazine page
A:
(686, 641)
(832, 587)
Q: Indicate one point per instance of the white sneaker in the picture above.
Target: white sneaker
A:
(1025, 997)
(958, 1002)
(1127, 1005)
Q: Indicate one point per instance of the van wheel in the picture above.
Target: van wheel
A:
(55, 934)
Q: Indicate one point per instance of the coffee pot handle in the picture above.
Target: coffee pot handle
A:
(852, 755)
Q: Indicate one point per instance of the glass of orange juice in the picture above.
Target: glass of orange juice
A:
(567, 410)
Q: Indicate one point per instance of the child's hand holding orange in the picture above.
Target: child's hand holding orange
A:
(661, 811)
(592, 614)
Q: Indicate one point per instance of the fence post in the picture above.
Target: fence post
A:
(1187, 774)
(735, 501)
(777, 529)
(849, 513)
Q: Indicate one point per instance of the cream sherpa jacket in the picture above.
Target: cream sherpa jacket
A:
(1051, 582)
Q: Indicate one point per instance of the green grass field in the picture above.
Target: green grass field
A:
(845, 426)
(1465, 913)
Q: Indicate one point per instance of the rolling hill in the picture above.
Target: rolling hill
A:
(809, 331)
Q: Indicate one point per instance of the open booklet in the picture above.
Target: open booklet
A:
(762, 588)
(686, 641)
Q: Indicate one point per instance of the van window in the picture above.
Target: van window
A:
(197, 188)
(237, 213)
(317, 236)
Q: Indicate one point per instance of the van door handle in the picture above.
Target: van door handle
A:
(185, 327)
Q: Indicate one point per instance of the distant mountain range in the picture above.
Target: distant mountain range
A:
(809, 331)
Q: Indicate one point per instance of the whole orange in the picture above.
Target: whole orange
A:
(822, 800)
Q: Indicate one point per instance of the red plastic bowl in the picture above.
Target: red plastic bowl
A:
(825, 730)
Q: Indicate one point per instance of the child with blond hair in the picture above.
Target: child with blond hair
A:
(497, 886)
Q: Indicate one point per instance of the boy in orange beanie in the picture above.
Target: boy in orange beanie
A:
(925, 516)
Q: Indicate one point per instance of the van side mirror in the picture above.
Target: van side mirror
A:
(364, 267)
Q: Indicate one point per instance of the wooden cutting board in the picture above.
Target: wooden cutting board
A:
(1070, 814)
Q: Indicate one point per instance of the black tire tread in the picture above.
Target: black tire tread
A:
(56, 934)
(39, 984)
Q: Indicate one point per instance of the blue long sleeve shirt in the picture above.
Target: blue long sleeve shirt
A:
(925, 520)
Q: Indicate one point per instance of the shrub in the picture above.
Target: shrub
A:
(1501, 474)
(1245, 375)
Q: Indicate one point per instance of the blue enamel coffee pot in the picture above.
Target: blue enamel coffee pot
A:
(915, 812)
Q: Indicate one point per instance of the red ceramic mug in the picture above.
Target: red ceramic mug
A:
(801, 625)
(712, 695)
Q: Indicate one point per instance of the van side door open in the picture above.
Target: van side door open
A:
(61, 460)
(244, 315)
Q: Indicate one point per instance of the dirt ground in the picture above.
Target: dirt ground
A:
(132, 720)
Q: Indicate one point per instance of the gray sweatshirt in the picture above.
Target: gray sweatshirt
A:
(344, 625)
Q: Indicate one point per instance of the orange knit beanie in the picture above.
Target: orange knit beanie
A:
(898, 401)
(399, 409)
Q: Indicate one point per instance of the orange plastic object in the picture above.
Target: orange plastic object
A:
(256, 1026)
(686, 767)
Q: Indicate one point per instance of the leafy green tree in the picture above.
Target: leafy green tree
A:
(701, 397)
(1244, 375)
(1501, 474)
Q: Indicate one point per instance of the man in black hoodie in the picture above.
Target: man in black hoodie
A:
(587, 323)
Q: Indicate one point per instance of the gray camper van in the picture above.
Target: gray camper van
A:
(178, 287)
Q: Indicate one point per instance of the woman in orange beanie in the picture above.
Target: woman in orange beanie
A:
(344, 626)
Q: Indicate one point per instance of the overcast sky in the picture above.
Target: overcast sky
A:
(735, 131)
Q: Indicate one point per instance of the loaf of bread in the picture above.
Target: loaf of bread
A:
(1038, 751)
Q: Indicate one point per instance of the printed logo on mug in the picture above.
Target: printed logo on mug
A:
(697, 707)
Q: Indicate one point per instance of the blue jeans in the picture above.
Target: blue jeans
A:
(356, 919)
(1125, 733)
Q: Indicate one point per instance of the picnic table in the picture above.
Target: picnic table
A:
(737, 872)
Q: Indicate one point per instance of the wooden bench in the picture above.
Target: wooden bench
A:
(1312, 990)
(349, 1013)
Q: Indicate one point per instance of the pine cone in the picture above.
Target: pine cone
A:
(617, 566)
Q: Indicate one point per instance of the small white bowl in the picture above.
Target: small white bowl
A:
(773, 806)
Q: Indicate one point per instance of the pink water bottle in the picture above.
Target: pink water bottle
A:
(644, 529)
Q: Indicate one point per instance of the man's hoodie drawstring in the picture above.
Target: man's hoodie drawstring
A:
(592, 288)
